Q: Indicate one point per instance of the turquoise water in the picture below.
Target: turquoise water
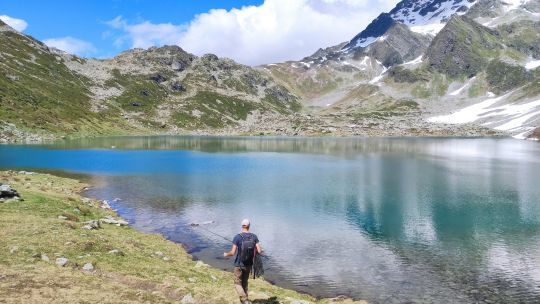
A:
(387, 220)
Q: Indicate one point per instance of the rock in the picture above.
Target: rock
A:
(122, 223)
(295, 301)
(166, 259)
(192, 280)
(7, 192)
(61, 217)
(88, 267)
(44, 258)
(108, 221)
(158, 253)
(14, 249)
(116, 252)
(61, 261)
(188, 299)
(91, 225)
(105, 205)
(26, 172)
(200, 264)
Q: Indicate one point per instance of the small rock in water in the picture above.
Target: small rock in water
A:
(61, 262)
(200, 264)
(188, 299)
(295, 301)
(44, 258)
(88, 267)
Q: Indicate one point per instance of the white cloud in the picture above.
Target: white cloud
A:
(275, 31)
(71, 45)
(18, 24)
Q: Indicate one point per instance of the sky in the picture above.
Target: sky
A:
(252, 32)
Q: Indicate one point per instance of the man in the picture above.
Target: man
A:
(244, 246)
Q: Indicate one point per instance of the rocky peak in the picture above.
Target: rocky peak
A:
(422, 16)
(398, 45)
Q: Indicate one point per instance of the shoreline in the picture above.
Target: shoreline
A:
(129, 265)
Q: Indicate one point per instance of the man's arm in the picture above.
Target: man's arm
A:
(259, 248)
(232, 252)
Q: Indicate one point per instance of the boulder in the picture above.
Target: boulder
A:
(7, 192)
(88, 267)
(61, 261)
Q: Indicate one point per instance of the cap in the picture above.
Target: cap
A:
(245, 223)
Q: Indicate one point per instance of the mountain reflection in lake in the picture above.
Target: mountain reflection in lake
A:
(387, 220)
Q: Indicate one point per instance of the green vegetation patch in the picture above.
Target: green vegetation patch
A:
(502, 76)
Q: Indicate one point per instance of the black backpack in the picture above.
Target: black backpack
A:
(247, 252)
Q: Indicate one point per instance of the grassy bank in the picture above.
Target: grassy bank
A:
(128, 266)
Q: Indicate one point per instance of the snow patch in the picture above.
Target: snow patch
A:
(378, 78)
(414, 61)
(428, 29)
(506, 117)
(366, 41)
(533, 64)
(513, 4)
(458, 91)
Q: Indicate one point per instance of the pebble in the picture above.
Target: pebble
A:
(166, 259)
(88, 267)
(45, 258)
(14, 249)
(61, 217)
(188, 299)
(192, 280)
(61, 262)
(158, 253)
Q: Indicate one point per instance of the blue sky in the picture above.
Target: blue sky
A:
(249, 31)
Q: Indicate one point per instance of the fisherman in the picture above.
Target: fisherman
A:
(245, 247)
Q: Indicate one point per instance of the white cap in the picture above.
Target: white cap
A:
(245, 223)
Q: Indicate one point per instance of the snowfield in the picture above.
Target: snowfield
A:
(510, 117)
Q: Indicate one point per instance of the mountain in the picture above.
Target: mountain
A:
(45, 92)
(461, 67)
(427, 67)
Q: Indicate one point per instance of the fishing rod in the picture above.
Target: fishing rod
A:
(221, 236)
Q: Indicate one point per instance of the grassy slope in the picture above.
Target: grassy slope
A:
(39, 93)
(138, 276)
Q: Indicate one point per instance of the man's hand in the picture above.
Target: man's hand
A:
(225, 254)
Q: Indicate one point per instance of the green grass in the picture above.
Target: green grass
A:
(502, 76)
(31, 228)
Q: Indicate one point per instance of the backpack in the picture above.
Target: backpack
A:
(247, 252)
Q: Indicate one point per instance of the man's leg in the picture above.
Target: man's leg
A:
(245, 278)
(238, 284)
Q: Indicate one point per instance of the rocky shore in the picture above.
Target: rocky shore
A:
(59, 247)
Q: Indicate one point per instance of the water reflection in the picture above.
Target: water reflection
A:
(389, 220)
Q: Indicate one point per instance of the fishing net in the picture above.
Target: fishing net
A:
(258, 269)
